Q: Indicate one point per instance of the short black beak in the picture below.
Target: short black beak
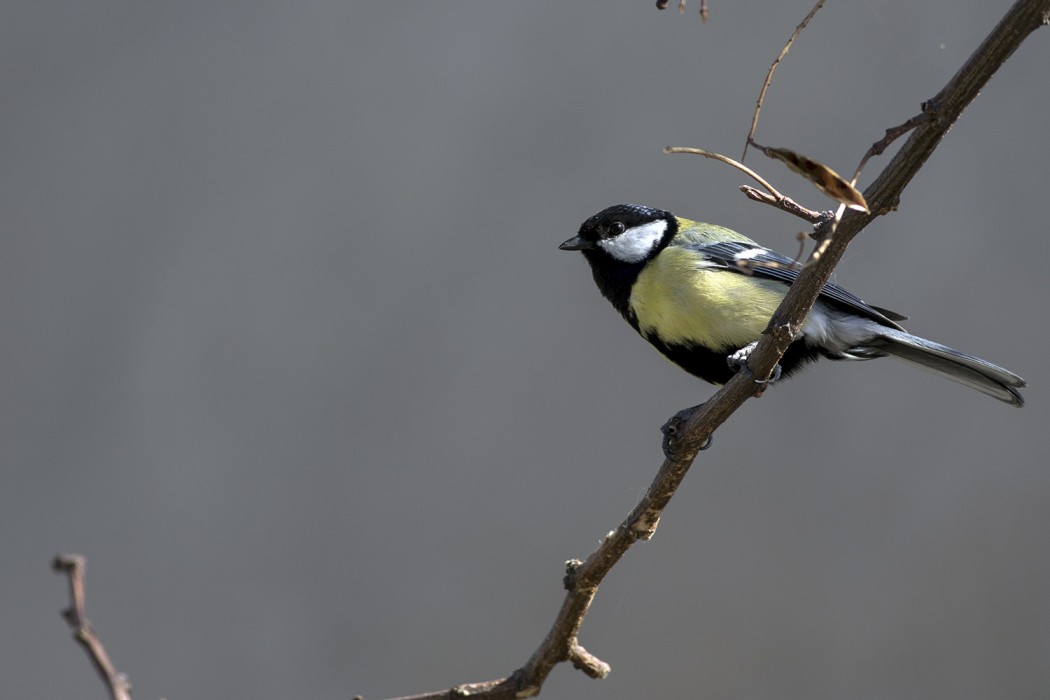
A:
(576, 243)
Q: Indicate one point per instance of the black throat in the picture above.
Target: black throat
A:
(614, 280)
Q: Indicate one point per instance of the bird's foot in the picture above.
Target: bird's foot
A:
(672, 431)
(738, 361)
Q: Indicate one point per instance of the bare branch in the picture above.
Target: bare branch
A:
(883, 196)
(690, 431)
(73, 566)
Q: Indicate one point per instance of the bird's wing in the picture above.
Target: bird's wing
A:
(753, 259)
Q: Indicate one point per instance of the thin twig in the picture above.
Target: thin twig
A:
(73, 566)
(726, 159)
(785, 204)
(774, 198)
(892, 134)
(772, 69)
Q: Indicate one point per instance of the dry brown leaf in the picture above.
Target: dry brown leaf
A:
(826, 180)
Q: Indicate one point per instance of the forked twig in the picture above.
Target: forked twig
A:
(72, 565)
(774, 198)
(892, 134)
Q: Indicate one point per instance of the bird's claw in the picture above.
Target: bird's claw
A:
(672, 432)
(738, 361)
(775, 377)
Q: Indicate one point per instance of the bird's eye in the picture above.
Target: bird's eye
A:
(615, 228)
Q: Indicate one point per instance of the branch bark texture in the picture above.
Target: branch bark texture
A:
(693, 428)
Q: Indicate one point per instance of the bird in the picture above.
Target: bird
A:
(703, 294)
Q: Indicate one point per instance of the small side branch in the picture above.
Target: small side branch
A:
(786, 204)
(892, 134)
(72, 565)
(775, 198)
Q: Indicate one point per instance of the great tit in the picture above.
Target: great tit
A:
(703, 294)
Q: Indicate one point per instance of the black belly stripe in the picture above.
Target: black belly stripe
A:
(711, 366)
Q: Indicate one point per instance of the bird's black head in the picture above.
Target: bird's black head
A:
(617, 243)
(625, 233)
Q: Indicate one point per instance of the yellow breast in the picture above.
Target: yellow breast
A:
(684, 303)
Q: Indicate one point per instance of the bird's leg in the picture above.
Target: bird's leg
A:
(738, 361)
(672, 431)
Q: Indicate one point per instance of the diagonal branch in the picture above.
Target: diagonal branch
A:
(883, 196)
(690, 431)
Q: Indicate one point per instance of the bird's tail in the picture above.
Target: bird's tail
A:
(955, 365)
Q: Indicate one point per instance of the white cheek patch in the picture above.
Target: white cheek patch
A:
(634, 244)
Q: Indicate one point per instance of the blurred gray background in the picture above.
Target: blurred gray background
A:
(288, 350)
